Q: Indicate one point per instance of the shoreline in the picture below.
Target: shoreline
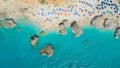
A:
(48, 16)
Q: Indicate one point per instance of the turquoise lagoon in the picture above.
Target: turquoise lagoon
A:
(93, 49)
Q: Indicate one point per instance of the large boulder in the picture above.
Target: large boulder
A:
(109, 23)
(42, 33)
(76, 29)
(117, 32)
(34, 40)
(47, 50)
(9, 23)
(96, 21)
(62, 27)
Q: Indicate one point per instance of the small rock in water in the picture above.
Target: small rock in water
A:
(86, 42)
(34, 40)
(117, 32)
(9, 23)
(62, 27)
(47, 50)
(18, 29)
(42, 33)
(76, 29)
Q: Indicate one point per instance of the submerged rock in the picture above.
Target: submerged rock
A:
(9, 23)
(76, 29)
(96, 21)
(47, 50)
(18, 29)
(109, 23)
(42, 33)
(34, 40)
(117, 32)
(86, 42)
(62, 27)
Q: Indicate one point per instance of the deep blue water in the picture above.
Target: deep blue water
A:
(101, 51)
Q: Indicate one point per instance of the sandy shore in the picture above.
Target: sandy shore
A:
(32, 9)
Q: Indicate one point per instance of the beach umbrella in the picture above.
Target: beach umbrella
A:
(76, 5)
(82, 10)
(87, 3)
(104, 12)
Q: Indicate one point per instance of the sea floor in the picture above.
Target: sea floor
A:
(93, 49)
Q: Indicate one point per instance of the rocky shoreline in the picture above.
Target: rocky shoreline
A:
(9, 23)
(62, 27)
(102, 14)
(76, 29)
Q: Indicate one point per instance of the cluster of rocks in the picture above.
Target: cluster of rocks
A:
(9, 23)
(47, 50)
(74, 26)
(34, 40)
(109, 23)
(76, 29)
(113, 24)
(62, 27)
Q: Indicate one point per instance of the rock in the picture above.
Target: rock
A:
(9, 23)
(76, 29)
(109, 23)
(117, 32)
(47, 50)
(34, 40)
(42, 33)
(24, 9)
(86, 42)
(18, 29)
(96, 21)
(62, 27)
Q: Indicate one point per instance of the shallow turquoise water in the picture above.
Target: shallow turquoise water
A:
(102, 50)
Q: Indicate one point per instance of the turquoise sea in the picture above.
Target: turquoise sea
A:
(94, 49)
